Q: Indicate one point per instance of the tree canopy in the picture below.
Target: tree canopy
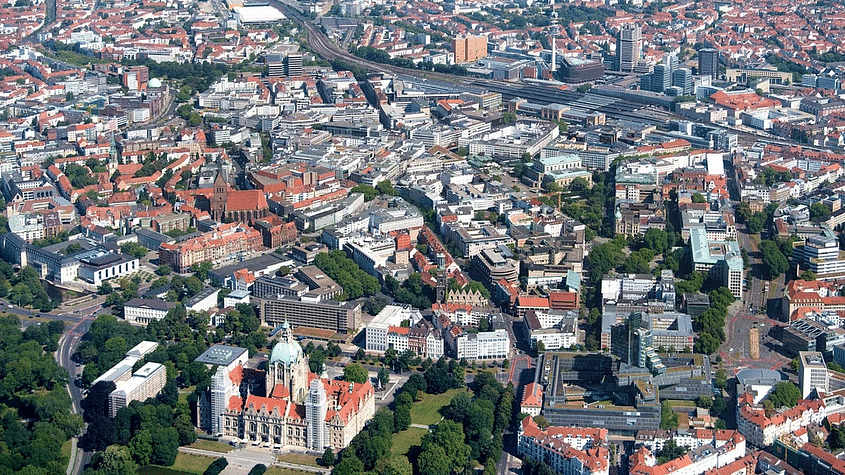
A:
(785, 394)
(355, 282)
(35, 407)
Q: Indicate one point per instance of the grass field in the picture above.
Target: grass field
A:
(403, 441)
(66, 450)
(190, 463)
(284, 471)
(427, 411)
(184, 393)
(153, 470)
(212, 446)
(300, 459)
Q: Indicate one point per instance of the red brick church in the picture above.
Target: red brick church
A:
(228, 205)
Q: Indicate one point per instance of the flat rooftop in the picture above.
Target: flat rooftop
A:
(220, 355)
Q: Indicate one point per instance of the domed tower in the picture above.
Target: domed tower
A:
(288, 367)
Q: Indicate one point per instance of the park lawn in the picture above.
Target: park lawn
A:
(211, 445)
(300, 459)
(190, 463)
(155, 470)
(66, 450)
(284, 471)
(184, 393)
(403, 441)
(427, 411)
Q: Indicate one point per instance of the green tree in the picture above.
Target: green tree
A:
(349, 465)
(785, 394)
(433, 460)
(698, 198)
(115, 460)
(383, 376)
(328, 457)
(808, 275)
(704, 402)
(668, 417)
(165, 447)
(355, 373)
(670, 451)
(448, 434)
(395, 465)
(818, 211)
(773, 259)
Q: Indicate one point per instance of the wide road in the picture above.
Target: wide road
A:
(67, 346)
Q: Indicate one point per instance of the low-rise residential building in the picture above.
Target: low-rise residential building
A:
(375, 333)
(143, 311)
(532, 399)
(761, 430)
(227, 242)
(555, 329)
(567, 450)
(719, 448)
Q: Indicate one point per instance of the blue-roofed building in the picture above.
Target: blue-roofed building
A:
(719, 260)
(573, 281)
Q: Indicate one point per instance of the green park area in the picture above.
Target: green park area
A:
(404, 440)
(427, 410)
(186, 464)
(212, 446)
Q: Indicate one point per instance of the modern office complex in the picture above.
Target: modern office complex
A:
(629, 45)
(341, 317)
(720, 259)
(812, 373)
(821, 255)
(708, 62)
(145, 383)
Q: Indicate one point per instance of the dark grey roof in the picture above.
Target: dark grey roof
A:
(155, 304)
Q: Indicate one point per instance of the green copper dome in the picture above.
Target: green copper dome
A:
(286, 351)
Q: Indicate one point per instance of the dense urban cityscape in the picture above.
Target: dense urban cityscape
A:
(340, 237)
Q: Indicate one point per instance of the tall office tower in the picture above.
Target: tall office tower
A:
(708, 63)
(275, 65)
(629, 45)
(682, 78)
(293, 64)
(812, 372)
(661, 78)
(469, 48)
(671, 60)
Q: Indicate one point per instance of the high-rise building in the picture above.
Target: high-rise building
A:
(293, 64)
(682, 78)
(469, 48)
(629, 47)
(275, 65)
(708, 62)
(812, 372)
(661, 78)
